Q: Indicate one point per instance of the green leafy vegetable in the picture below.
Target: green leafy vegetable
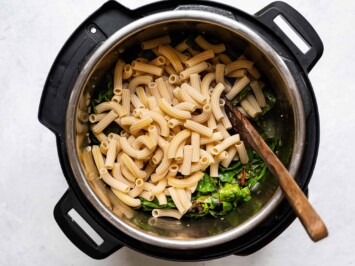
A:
(154, 204)
(235, 101)
(233, 166)
(226, 176)
(206, 184)
(217, 196)
(270, 102)
(104, 95)
(250, 154)
(220, 202)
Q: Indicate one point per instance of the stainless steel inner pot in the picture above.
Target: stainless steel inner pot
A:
(189, 234)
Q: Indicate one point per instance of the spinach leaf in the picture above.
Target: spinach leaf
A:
(270, 102)
(235, 101)
(229, 192)
(233, 166)
(244, 194)
(250, 154)
(154, 204)
(206, 184)
(223, 209)
(253, 180)
(227, 176)
(104, 95)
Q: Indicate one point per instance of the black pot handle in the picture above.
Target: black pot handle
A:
(302, 27)
(79, 47)
(77, 235)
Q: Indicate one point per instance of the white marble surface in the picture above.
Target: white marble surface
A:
(32, 32)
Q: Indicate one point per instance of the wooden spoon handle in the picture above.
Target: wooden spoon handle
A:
(311, 221)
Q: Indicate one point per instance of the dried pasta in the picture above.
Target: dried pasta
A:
(173, 124)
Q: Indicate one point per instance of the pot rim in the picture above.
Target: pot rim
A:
(153, 20)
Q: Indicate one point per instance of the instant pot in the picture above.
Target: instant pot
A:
(94, 48)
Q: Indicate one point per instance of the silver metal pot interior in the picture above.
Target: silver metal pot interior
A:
(288, 118)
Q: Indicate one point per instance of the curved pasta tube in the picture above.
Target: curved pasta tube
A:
(175, 197)
(116, 173)
(89, 164)
(201, 129)
(186, 106)
(238, 87)
(196, 95)
(127, 71)
(146, 195)
(216, 94)
(128, 120)
(195, 143)
(153, 43)
(225, 120)
(158, 61)
(147, 68)
(137, 154)
(132, 202)
(216, 136)
(195, 81)
(204, 44)
(225, 144)
(171, 56)
(206, 154)
(184, 198)
(111, 154)
(156, 213)
(204, 116)
(139, 80)
(140, 124)
(159, 119)
(98, 158)
(205, 84)
(259, 95)
(114, 183)
(163, 90)
(176, 141)
(138, 188)
(225, 59)
(117, 77)
(194, 70)
(187, 182)
(162, 199)
(104, 122)
(182, 46)
(185, 168)
(200, 57)
(159, 188)
(172, 111)
(242, 152)
(173, 122)
(239, 64)
(132, 167)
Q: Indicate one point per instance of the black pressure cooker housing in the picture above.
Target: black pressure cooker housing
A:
(111, 17)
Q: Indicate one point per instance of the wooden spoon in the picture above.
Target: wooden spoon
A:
(311, 221)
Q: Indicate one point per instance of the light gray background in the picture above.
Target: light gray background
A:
(31, 35)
